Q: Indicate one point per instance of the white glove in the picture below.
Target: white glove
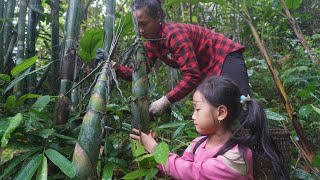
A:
(159, 106)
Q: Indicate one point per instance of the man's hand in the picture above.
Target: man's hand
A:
(147, 141)
(159, 106)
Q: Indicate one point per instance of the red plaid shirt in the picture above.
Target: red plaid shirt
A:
(197, 51)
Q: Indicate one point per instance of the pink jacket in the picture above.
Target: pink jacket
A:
(202, 165)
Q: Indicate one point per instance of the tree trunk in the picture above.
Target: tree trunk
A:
(19, 87)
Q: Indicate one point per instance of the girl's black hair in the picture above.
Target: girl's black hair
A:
(218, 91)
(153, 7)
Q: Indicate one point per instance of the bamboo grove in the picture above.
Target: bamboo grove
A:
(65, 114)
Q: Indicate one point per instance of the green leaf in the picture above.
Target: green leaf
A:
(293, 4)
(316, 109)
(141, 158)
(161, 153)
(14, 123)
(26, 73)
(153, 172)
(26, 96)
(42, 173)
(136, 174)
(173, 124)
(41, 103)
(5, 77)
(10, 103)
(28, 171)
(90, 41)
(305, 110)
(288, 72)
(316, 161)
(136, 148)
(24, 65)
(16, 161)
(178, 115)
(108, 171)
(274, 116)
(45, 133)
(62, 162)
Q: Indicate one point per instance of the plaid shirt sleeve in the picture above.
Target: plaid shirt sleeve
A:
(185, 55)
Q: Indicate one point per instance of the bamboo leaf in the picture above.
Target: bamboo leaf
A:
(28, 171)
(293, 4)
(24, 65)
(26, 73)
(14, 123)
(5, 77)
(41, 103)
(10, 103)
(26, 96)
(136, 174)
(108, 171)
(42, 173)
(173, 124)
(161, 153)
(153, 172)
(16, 161)
(62, 162)
(316, 109)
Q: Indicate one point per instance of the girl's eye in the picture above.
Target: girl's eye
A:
(197, 109)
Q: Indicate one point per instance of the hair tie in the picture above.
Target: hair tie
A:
(243, 100)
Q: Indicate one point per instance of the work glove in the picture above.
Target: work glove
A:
(159, 106)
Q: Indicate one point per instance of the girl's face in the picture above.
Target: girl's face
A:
(205, 116)
(148, 26)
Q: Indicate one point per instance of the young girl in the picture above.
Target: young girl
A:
(219, 153)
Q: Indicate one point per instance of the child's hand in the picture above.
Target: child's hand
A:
(147, 141)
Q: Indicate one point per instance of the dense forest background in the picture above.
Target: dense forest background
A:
(63, 113)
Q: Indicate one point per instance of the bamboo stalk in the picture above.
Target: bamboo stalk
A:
(19, 87)
(87, 149)
(140, 90)
(296, 28)
(1, 36)
(55, 66)
(31, 45)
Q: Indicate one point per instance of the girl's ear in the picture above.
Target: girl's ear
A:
(222, 112)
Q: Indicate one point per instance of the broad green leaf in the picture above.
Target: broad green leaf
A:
(62, 162)
(41, 103)
(153, 172)
(10, 103)
(316, 109)
(24, 65)
(45, 133)
(136, 148)
(173, 125)
(161, 153)
(16, 161)
(293, 4)
(316, 161)
(136, 174)
(42, 173)
(274, 116)
(26, 96)
(4, 123)
(5, 77)
(28, 170)
(26, 73)
(108, 171)
(12, 150)
(90, 41)
(14, 123)
(305, 110)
